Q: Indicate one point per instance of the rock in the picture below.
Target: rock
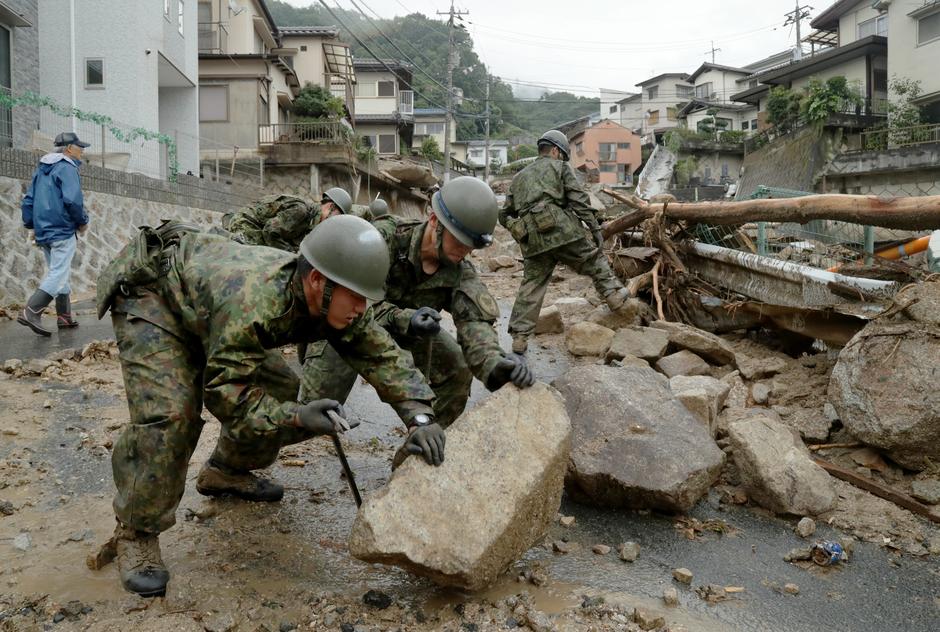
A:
(219, 622)
(66, 354)
(682, 575)
(600, 549)
(629, 551)
(927, 490)
(13, 365)
(799, 554)
(538, 621)
(47, 403)
(933, 545)
(570, 306)
(550, 321)
(6, 508)
(811, 423)
(37, 365)
(702, 395)
(641, 342)
(775, 467)
(484, 532)
(647, 620)
(566, 521)
(22, 542)
(682, 363)
(892, 405)
(868, 458)
(830, 412)
(500, 262)
(791, 589)
(760, 393)
(759, 368)
(806, 527)
(627, 315)
(377, 599)
(588, 339)
(672, 459)
(704, 344)
(737, 396)
(670, 596)
(560, 546)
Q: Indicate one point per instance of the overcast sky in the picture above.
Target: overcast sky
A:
(587, 44)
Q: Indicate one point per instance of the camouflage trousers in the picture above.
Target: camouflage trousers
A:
(582, 256)
(163, 377)
(327, 376)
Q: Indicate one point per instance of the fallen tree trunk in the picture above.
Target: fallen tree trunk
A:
(906, 213)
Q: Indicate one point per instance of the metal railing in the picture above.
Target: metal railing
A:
(406, 102)
(213, 37)
(328, 132)
(888, 138)
(6, 121)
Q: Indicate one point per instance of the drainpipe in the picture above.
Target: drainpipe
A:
(72, 48)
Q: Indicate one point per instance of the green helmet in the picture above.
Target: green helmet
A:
(559, 140)
(340, 198)
(467, 208)
(350, 252)
(378, 207)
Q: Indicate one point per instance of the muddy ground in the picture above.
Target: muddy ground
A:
(243, 566)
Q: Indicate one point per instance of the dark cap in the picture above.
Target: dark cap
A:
(69, 138)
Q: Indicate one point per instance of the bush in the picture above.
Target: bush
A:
(823, 99)
(783, 108)
(522, 151)
(430, 149)
(316, 102)
(733, 136)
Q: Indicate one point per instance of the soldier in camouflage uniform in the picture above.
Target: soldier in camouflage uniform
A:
(282, 221)
(206, 331)
(544, 211)
(428, 274)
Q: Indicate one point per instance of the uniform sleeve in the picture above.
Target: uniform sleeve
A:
(393, 318)
(475, 312)
(370, 350)
(288, 228)
(507, 212)
(26, 208)
(577, 199)
(72, 198)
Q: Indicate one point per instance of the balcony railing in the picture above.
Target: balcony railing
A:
(882, 139)
(324, 132)
(212, 37)
(406, 102)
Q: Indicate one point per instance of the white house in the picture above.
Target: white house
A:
(714, 86)
(610, 103)
(662, 96)
(476, 150)
(135, 62)
(630, 112)
(384, 104)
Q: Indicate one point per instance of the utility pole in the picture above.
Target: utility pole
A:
(713, 51)
(486, 143)
(451, 62)
(796, 17)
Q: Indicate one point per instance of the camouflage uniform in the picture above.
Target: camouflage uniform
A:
(544, 210)
(363, 211)
(278, 221)
(206, 332)
(448, 364)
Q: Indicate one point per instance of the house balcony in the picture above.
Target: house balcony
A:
(213, 38)
(306, 142)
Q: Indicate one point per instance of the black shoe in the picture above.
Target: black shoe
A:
(216, 481)
(63, 309)
(31, 316)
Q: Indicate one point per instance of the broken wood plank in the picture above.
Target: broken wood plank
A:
(830, 446)
(882, 491)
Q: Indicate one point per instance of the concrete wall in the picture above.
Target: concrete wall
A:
(714, 168)
(370, 129)
(907, 59)
(848, 23)
(854, 70)
(310, 64)
(630, 114)
(242, 126)
(25, 70)
(180, 104)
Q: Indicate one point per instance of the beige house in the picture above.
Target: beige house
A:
(384, 104)
(660, 101)
(430, 123)
(250, 73)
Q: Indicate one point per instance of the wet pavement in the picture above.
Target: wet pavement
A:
(301, 539)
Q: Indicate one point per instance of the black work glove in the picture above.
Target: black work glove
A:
(599, 238)
(426, 321)
(512, 368)
(324, 416)
(429, 441)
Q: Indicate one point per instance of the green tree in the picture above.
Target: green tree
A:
(711, 125)
(430, 149)
(316, 102)
(783, 108)
(823, 99)
(521, 151)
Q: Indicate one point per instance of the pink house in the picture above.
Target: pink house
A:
(607, 152)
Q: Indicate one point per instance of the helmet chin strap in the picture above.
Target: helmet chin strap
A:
(327, 298)
(442, 259)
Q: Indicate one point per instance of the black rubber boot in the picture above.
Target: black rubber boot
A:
(139, 561)
(31, 316)
(63, 310)
(217, 480)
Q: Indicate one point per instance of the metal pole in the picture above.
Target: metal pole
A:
(450, 92)
(486, 143)
(261, 169)
(869, 232)
(762, 238)
(216, 164)
(102, 147)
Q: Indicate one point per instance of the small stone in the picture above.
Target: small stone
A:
(12, 365)
(592, 602)
(670, 596)
(560, 546)
(219, 622)
(629, 551)
(933, 545)
(37, 365)
(566, 521)
(647, 620)
(498, 263)
(377, 599)
(682, 363)
(6, 508)
(830, 412)
(47, 403)
(791, 589)
(798, 554)
(760, 393)
(538, 621)
(759, 368)
(22, 542)
(287, 627)
(806, 527)
(550, 321)
(601, 549)
(927, 490)
(682, 575)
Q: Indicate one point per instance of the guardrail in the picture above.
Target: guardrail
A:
(888, 138)
(330, 132)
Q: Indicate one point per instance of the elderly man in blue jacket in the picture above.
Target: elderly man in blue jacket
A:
(53, 208)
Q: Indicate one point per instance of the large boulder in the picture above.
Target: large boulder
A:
(588, 339)
(682, 363)
(550, 321)
(884, 389)
(465, 522)
(634, 444)
(776, 468)
(703, 396)
(626, 315)
(707, 345)
(640, 342)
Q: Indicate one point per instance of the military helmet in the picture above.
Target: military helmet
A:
(349, 251)
(378, 207)
(559, 140)
(467, 208)
(340, 198)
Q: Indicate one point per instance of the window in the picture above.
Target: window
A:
(724, 170)
(652, 93)
(671, 114)
(434, 128)
(179, 15)
(365, 89)
(653, 117)
(754, 124)
(613, 108)
(684, 92)
(264, 113)
(213, 104)
(609, 168)
(744, 125)
(874, 26)
(928, 28)
(623, 145)
(303, 48)
(386, 88)
(387, 144)
(704, 90)
(607, 151)
(94, 73)
(708, 174)
(880, 79)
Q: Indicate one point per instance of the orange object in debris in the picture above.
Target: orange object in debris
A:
(896, 252)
